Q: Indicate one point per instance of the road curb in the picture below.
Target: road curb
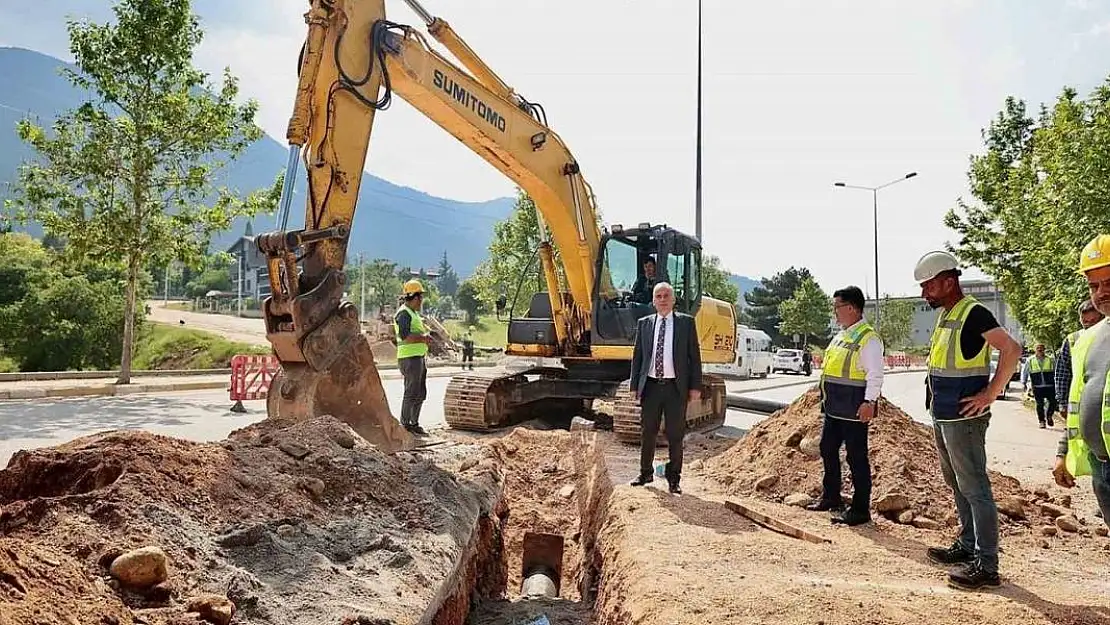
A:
(113, 390)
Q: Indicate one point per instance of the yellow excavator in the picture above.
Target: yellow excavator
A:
(352, 63)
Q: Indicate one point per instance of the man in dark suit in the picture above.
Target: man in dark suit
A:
(666, 374)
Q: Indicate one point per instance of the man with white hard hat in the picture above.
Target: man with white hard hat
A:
(959, 392)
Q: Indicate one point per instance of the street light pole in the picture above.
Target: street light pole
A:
(697, 174)
(875, 219)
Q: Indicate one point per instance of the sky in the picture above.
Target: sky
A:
(796, 94)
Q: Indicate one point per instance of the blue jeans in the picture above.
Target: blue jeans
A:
(1100, 481)
(962, 446)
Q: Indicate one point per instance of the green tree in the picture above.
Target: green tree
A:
(1040, 189)
(57, 314)
(764, 301)
(512, 261)
(895, 322)
(715, 281)
(126, 176)
(468, 300)
(807, 313)
(448, 280)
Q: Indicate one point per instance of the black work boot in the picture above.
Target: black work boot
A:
(973, 577)
(643, 479)
(955, 554)
(823, 505)
(852, 517)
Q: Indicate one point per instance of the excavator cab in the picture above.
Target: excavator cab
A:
(621, 285)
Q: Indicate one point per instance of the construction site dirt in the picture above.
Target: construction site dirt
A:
(305, 523)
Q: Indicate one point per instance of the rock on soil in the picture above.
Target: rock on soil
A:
(285, 524)
(904, 463)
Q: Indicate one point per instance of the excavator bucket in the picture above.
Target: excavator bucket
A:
(349, 389)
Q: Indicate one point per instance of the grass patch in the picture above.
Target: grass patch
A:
(170, 347)
(488, 331)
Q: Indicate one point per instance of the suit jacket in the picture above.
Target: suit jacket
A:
(686, 353)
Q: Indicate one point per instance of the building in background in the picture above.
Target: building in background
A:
(925, 318)
(249, 267)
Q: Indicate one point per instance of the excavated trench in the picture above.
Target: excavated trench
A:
(534, 559)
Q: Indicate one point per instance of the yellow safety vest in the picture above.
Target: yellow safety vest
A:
(1077, 459)
(410, 350)
(843, 381)
(1035, 365)
(952, 377)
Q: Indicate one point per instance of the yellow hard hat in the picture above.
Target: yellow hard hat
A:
(1095, 254)
(413, 287)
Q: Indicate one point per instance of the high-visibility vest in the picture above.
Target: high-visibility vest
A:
(843, 380)
(951, 377)
(1071, 338)
(410, 350)
(1036, 367)
(1077, 459)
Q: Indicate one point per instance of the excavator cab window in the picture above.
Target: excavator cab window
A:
(624, 290)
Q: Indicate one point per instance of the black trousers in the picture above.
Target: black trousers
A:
(662, 403)
(853, 435)
(1043, 394)
(468, 355)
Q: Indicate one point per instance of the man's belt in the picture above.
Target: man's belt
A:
(660, 380)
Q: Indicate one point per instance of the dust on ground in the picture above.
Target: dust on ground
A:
(294, 523)
(780, 457)
(689, 560)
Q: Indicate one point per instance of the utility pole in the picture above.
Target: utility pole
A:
(697, 174)
(166, 299)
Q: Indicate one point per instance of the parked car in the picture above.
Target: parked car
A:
(787, 361)
(1013, 378)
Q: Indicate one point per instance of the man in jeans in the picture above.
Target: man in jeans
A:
(959, 393)
(412, 348)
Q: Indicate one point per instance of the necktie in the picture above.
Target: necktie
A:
(659, 347)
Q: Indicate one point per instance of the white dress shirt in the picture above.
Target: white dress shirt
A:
(871, 361)
(668, 346)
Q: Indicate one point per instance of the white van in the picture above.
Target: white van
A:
(753, 355)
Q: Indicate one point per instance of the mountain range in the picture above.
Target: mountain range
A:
(386, 212)
(34, 88)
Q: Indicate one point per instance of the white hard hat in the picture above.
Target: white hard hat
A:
(932, 264)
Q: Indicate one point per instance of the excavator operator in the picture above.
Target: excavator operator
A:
(412, 348)
(645, 283)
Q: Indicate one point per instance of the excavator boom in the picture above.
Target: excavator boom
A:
(353, 62)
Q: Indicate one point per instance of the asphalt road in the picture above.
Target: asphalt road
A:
(205, 415)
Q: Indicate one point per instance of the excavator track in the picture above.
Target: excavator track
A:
(706, 414)
(482, 401)
(477, 401)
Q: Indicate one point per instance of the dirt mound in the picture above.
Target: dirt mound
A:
(780, 456)
(302, 523)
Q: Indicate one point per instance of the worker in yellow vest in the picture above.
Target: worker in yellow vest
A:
(1040, 371)
(959, 393)
(1085, 447)
(412, 348)
(851, 379)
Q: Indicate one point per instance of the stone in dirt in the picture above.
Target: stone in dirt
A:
(1068, 523)
(902, 452)
(1012, 506)
(905, 517)
(1049, 530)
(242, 518)
(1053, 510)
(141, 568)
(893, 503)
(212, 608)
(800, 500)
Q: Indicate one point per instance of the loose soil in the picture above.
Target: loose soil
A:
(780, 456)
(295, 523)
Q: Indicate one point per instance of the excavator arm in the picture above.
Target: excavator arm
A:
(352, 63)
